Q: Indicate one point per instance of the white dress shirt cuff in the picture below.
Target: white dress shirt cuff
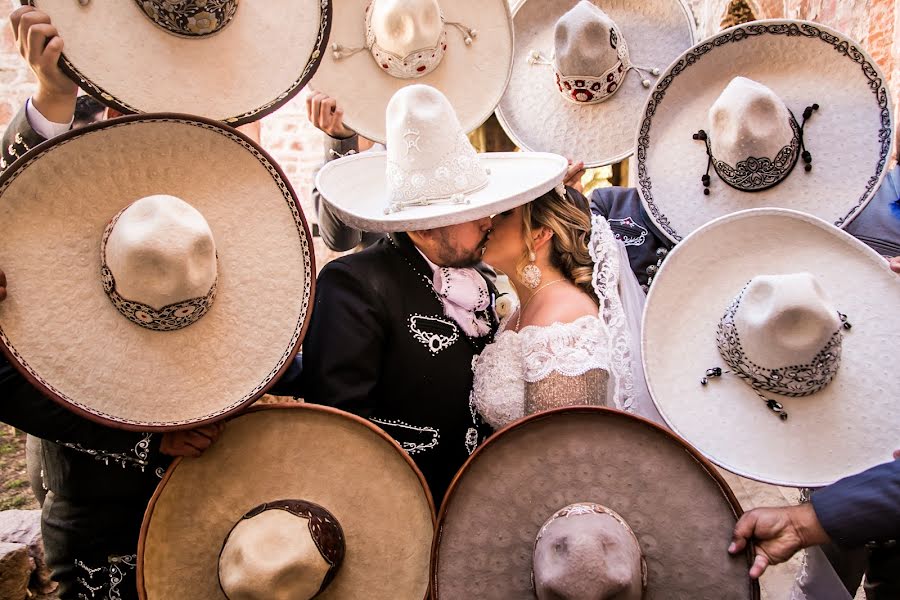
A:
(42, 126)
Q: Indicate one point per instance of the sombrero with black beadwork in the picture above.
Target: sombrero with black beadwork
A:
(229, 60)
(293, 501)
(160, 269)
(776, 113)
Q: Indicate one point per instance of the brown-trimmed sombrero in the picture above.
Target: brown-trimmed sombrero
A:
(229, 60)
(291, 500)
(160, 270)
(594, 464)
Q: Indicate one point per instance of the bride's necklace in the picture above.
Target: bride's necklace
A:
(522, 309)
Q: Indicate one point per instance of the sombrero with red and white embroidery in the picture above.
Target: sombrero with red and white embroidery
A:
(160, 269)
(582, 70)
(230, 60)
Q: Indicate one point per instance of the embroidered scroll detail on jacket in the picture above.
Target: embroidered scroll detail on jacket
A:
(411, 447)
(434, 333)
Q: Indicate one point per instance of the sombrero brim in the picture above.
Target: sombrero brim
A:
(537, 117)
(847, 427)
(526, 472)
(472, 77)
(356, 188)
(336, 460)
(849, 137)
(62, 331)
(252, 66)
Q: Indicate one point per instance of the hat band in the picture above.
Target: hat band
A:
(593, 89)
(168, 318)
(458, 174)
(189, 18)
(792, 381)
(755, 174)
(415, 64)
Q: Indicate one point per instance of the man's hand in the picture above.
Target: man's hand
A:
(324, 113)
(895, 264)
(2, 285)
(40, 45)
(573, 175)
(190, 443)
(778, 533)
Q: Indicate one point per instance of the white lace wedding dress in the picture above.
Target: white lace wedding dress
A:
(592, 360)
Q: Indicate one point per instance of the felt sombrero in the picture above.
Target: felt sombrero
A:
(430, 175)
(779, 113)
(587, 502)
(777, 368)
(461, 47)
(160, 269)
(291, 501)
(229, 60)
(581, 72)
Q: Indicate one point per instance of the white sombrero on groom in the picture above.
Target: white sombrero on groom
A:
(582, 70)
(230, 60)
(461, 47)
(430, 176)
(779, 365)
(162, 268)
(771, 113)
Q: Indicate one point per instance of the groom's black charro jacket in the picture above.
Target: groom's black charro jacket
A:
(379, 345)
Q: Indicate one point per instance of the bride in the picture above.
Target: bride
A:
(575, 337)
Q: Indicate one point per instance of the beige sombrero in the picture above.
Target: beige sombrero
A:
(160, 269)
(291, 500)
(589, 480)
(229, 60)
(762, 296)
(461, 47)
(430, 175)
(581, 72)
(736, 120)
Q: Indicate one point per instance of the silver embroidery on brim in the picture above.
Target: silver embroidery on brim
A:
(434, 341)
(434, 435)
(792, 381)
(189, 18)
(168, 318)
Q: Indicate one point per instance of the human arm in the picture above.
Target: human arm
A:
(344, 344)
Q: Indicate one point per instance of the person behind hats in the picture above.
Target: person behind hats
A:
(862, 509)
(579, 303)
(100, 480)
(326, 116)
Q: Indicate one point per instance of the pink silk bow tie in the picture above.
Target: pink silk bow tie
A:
(463, 293)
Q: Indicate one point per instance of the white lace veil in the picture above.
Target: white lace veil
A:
(621, 308)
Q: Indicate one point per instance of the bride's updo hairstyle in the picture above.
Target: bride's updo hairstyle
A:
(571, 227)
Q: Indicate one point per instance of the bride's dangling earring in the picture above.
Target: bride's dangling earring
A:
(531, 273)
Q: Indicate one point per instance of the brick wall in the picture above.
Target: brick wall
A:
(298, 147)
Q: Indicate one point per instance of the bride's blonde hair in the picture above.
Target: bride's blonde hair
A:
(571, 227)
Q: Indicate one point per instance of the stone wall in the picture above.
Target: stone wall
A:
(298, 147)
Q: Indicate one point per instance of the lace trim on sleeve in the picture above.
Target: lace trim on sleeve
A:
(616, 335)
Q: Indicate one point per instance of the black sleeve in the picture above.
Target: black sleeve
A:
(25, 408)
(343, 347)
(600, 203)
(861, 508)
(336, 235)
(18, 139)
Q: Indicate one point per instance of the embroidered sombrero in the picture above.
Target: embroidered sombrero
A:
(461, 47)
(587, 502)
(581, 72)
(779, 367)
(293, 501)
(229, 60)
(430, 175)
(160, 270)
(776, 113)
